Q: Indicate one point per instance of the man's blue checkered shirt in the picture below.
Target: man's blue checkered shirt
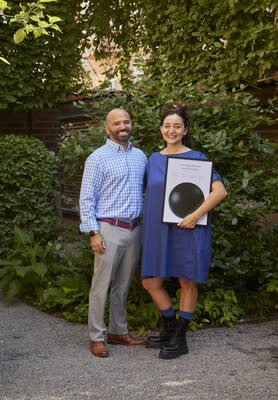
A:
(112, 184)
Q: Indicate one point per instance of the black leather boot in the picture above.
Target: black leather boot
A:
(177, 345)
(169, 330)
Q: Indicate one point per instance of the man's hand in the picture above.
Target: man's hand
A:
(97, 243)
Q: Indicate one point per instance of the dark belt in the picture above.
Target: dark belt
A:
(128, 224)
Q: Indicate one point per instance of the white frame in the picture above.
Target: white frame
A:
(185, 170)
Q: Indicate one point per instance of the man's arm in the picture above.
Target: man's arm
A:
(89, 193)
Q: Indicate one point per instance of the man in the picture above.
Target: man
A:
(110, 206)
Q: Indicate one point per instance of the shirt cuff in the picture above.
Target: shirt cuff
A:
(86, 228)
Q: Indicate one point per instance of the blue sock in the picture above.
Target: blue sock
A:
(168, 313)
(186, 315)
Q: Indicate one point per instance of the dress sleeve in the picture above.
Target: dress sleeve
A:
(216, 176)
(145, 182)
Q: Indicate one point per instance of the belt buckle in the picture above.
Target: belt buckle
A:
(132, 223)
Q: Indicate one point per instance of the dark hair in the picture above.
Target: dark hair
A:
(181, 109)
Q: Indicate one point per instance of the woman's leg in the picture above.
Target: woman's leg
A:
(189, 295)
(177, 346)
(162, 300)
(157, 292)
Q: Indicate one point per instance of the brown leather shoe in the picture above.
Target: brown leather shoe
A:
(126, 339)
(99, 349)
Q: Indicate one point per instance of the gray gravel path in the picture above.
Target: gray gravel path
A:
(47, 358)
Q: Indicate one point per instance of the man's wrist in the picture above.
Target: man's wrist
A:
(93, 233)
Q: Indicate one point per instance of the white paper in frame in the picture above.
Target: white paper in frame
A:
(187, 184)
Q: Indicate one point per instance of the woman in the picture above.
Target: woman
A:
(183, 250)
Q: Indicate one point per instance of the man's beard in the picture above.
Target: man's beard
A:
(123, 139)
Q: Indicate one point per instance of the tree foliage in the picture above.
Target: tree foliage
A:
(217, 42)
(227, 41)
(42, 68)
(31, 18)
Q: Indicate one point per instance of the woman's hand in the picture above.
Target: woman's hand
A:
(189, 222)
(218, 193)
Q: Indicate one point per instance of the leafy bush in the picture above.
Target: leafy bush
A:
(68, 292)
(217, 307)
(27, 188)
(273, 283)
(29, 266)
(48, 276)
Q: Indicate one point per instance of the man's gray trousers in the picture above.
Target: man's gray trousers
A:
(115, 267)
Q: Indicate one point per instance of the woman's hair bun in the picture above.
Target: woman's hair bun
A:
(178, 107)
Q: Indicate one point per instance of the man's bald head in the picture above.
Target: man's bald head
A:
(118, 126)
(115, 111)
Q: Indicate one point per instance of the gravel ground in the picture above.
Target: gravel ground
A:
(46, 358)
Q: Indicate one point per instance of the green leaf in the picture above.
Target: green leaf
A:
(272, 285)
(43, 24)
(3, 5)
(52, 20)
(56, 27)
(35, 18)
(14, 289)
(4, 60)
(22, 271)
(37, 32)
(40, 269)
(5, 280)
(5, 262)
(245, 183)
(19, 35)
(20, 235)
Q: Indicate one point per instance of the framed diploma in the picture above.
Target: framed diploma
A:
(187, 184)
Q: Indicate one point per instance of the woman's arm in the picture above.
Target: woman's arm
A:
(217, 194)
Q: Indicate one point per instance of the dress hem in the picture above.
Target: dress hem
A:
(172, 276)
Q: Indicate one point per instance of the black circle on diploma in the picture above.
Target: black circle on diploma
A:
(185, 198)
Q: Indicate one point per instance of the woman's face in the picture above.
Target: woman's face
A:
(173, 129)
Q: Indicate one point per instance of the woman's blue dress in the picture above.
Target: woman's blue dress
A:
(167, 249)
